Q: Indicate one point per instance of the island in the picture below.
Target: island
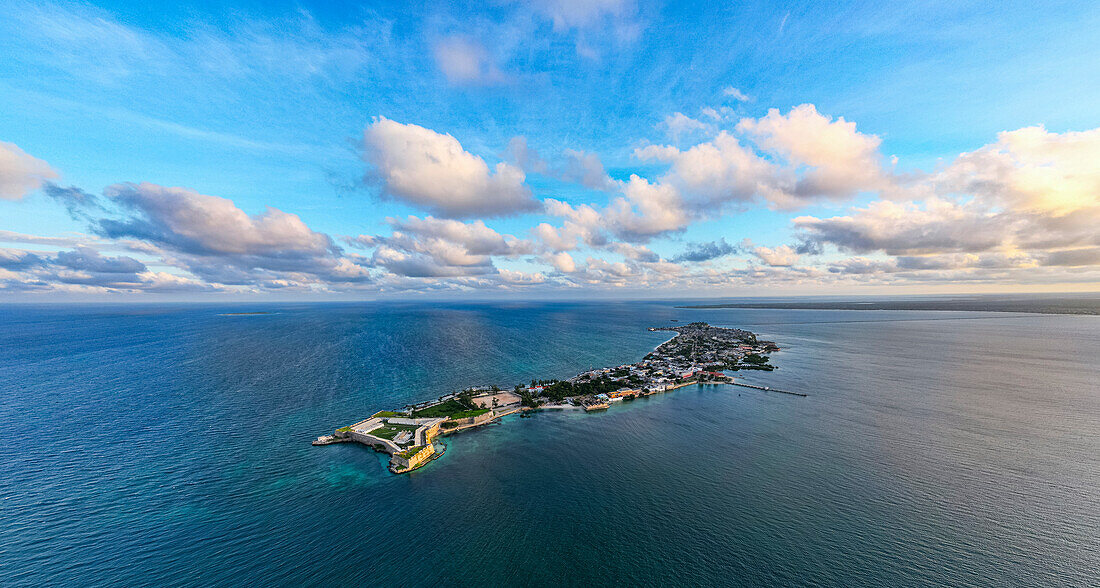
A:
(698, 353)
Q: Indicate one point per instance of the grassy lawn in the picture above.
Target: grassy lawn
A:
(408, 453)
(384, 414)
(452, 408)
(388, 432)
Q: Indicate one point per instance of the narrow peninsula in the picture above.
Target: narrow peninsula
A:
(698, 353)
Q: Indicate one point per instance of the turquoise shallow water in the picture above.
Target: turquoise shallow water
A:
(170, 446)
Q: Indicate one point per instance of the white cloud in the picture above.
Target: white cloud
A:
(678, 124)
(646, 210)
(715, 172)
(466, 62)
(212, 238)
(583, 224)
(20, 173)
(563, 262)
(1028, 201)
(586, 19)
(587, 170)
(517, 278)
(719, 114)
(432, 247)
(520, 153)
(936, 225)
(475, 237)
(426, 169)
(736, 94)
(197, 223)
(782, 256)
(567, 14)
(841, 161)
(1032, 170)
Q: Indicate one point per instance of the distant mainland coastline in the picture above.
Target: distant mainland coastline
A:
(1085, 304)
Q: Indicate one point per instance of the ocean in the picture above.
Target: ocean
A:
(158, 445)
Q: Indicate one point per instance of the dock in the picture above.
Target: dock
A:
(767, 389)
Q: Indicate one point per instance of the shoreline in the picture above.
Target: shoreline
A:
(698, 354)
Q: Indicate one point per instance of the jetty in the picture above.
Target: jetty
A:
(767, 389)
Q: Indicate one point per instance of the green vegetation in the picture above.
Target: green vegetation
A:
(444, 409)
(344, 429)
(385, 414)
(526, 398)
(453, 408)
(388, 432)
(411, 451)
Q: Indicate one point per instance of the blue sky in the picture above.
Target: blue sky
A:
(266, 105)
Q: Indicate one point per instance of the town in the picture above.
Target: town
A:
(698, 353)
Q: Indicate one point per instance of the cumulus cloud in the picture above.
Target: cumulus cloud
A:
(466, 62)
(639, 253)
(197, 223)
(583, 224)
(706, 179)
(782, 256)
(1030, 200)
(646, 210)
(1031, 170)
(936, 225)
(518, 278)
(20, 173)
(715, 172)
(432, 171)
(212, 238)
(1023, 208)
(84, 269)
(1030, 190)
(11, 259)
(433, 248)
(839, 160)
(88, 260)
(697, 252)
(563, 262)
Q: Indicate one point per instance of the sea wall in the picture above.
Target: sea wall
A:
(380, 444)
(476, 420)
(400, 463)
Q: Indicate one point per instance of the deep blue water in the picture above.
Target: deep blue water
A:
(169, 445)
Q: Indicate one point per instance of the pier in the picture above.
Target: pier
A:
(767, 389)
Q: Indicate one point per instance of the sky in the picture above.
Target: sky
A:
(548, 149)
